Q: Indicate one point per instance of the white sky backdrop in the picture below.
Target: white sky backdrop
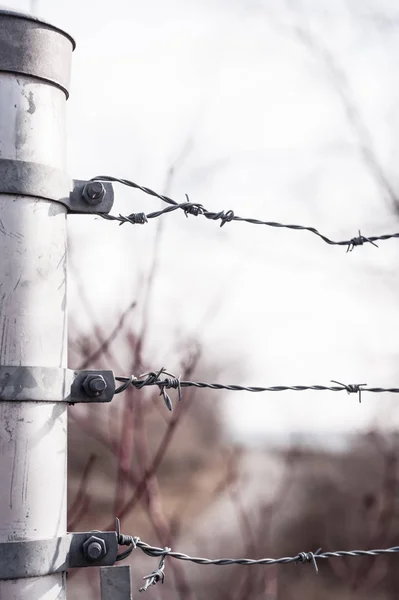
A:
(270, 138)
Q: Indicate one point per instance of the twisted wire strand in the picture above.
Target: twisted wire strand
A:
(225, 217)
(165, 380)
(300, 558)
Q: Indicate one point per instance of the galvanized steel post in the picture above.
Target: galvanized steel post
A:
(35, 62)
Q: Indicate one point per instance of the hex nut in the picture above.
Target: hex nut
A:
(93, 192)
(94, 548)
(94, 385)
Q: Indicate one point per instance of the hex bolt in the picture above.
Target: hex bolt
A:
(94, 385)
(93, 192)
(94, 548)
(94, 551)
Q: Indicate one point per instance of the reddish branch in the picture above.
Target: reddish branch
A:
(81, 502)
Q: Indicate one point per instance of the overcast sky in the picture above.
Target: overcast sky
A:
(275, 125)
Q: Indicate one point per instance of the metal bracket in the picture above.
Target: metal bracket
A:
(23, 178)
(82, 201)
(22, 559)
(116, 583)
(46, 384)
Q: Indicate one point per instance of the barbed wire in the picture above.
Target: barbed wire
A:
(195, 209)
(166, 381)
(302, 557)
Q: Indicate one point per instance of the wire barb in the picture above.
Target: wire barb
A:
(309, 557)
(195, 209)
(352, 388)
(359, 241)
(153, 378)
(157, 575)
(133, 219)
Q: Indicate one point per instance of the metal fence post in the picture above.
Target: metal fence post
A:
(34, 77)
(116, 583)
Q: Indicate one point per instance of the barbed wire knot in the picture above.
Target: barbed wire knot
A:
(157, 575)
(352, 388)
(226, 217)
(169, 382)
(128, 540)
(193, 209)
(125, 540)
(309, 557)
(134, 219)
(359, 241)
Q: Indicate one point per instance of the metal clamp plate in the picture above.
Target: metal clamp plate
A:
(37, 558)
(23, 178)
(46, 384)
(77, 204)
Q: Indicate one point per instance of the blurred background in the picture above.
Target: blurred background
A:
(282, 110)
